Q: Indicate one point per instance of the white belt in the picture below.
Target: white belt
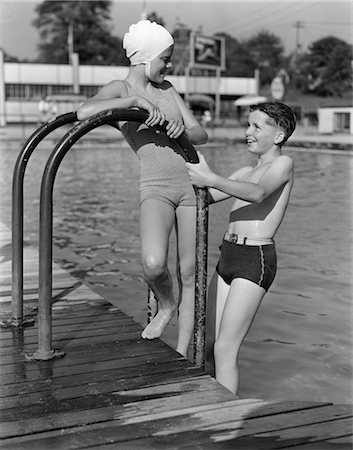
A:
(243, 240)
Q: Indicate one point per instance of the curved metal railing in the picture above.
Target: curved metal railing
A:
(17, 319)
(109, 117)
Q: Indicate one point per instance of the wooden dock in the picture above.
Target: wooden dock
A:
(114, 390)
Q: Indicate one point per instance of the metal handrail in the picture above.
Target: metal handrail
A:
(110, 117)
(17, 319)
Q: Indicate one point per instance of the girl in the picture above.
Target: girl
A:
(167, 197)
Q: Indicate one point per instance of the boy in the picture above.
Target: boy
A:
(247, 264)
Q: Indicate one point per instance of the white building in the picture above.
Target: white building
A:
(335, 119)
(23, 85)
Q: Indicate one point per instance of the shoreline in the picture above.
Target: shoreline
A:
(304, 137)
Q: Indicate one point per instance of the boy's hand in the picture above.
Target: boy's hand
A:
(175, 128)
(200, 174)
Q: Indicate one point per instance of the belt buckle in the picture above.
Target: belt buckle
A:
(232, 238)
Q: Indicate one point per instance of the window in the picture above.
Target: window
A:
(89, 91)
(13, 91)
(341, 122)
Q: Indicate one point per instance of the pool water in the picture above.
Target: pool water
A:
(299, 346)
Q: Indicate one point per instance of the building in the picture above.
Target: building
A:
(335, 119)
(24, 85)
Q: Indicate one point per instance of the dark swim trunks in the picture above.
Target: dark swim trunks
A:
(257, 263)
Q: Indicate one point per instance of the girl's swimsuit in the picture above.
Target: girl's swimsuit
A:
(163, 175)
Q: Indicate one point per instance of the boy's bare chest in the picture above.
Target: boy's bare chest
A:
(254, 175)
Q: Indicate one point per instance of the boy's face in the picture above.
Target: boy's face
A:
(260, 136)
(160, 65)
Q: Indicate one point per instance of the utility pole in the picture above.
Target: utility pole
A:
(73, 58)
(298, 25)
(144, 11)
(70, 40)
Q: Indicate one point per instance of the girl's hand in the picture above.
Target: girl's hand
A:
(156, 117)
(175, 128)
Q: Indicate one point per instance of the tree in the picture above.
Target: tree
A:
(10, 58)
(239, 61)
(327, 67)
(154, 17)
(92, 38)
(267, 51)
(181, 53)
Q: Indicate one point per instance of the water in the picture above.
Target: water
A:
(299, 346)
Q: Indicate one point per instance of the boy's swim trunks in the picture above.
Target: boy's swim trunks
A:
(257, 263)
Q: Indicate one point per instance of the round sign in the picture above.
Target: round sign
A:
(277, 88)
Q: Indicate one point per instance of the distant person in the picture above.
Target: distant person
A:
(43, 109)
(206, 119)
(53, 109)
(167, 198)
(248, 262)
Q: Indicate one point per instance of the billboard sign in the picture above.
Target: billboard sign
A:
(207, 52)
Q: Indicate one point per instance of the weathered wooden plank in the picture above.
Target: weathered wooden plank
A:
(15, 353)
(199, 440)
(330, 428)
(50, 403)
(63, 328)
(181, 428)
(119, 377)
(100, 387)
(40, 370)
(103, 335)
(182, 393)
(77, 437)
(131, 341)
(344, 443)
(36, 371)
(83, 326)
(120, 349)
(60, 326)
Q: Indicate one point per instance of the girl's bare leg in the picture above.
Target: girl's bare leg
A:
(242, 303)
(156, 222)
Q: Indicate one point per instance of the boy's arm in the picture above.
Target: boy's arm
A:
(280, 172)
(215, 195)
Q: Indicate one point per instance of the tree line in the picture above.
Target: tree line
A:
(325, 69)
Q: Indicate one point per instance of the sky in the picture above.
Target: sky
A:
(295, 22)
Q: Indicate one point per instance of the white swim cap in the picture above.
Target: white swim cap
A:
(144, 41)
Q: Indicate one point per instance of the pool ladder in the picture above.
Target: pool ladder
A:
(110, 117)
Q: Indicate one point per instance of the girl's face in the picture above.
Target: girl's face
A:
(160, 65)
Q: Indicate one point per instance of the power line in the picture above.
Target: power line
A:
(289, 9)
(222, 25)
(329, 23)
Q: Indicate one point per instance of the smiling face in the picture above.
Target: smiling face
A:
(160, 65)
(261, 137)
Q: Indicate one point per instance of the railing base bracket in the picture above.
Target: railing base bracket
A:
(17, 323)
(38, 355)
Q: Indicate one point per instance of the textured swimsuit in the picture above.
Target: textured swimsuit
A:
(163, 175)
